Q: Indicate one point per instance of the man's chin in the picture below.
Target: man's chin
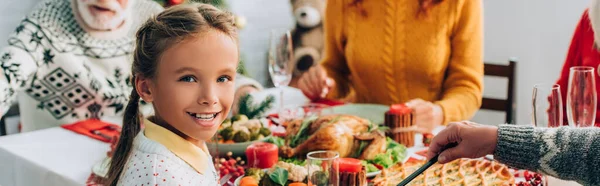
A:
(97, 24)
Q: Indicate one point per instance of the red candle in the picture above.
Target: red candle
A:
(399, 109)
(262, 155)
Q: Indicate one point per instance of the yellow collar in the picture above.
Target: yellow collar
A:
(195, 156)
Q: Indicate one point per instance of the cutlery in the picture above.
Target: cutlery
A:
(422, 169)
(97, 132)
(225, 179)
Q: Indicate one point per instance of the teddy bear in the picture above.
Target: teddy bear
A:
(307, 36)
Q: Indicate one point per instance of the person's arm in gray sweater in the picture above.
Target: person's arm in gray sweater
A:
(565, 153)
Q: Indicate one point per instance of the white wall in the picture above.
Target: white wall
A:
(11, 13)
(538, 32)
(262, 16)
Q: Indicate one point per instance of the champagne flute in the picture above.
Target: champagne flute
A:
(581, 97)
(547, 109)
(280, 57)
(547, 106)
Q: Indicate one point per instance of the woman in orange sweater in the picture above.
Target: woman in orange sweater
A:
(425, 53)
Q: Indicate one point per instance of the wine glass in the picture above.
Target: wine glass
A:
(323, 169)
(581, 97)
(547, 109)
(547, 106)
(280, 57)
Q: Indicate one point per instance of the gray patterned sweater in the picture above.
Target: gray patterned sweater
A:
(565, 153)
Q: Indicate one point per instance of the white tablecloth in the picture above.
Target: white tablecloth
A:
(53, 156)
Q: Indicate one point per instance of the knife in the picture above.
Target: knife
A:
(422, 169)
(225, 179)
(98, 133)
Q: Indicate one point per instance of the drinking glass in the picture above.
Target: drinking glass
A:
(547, 106)
(581, 97)
(323, 169)
(280, 57)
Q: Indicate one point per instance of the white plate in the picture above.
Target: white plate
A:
(101, 167)
(237, 181)
(373, 174)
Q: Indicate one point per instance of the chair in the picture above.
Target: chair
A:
(12, 111)
(507, 105)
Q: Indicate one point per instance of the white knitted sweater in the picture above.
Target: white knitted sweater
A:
(151, 163)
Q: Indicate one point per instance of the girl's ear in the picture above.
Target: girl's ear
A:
(142, 86)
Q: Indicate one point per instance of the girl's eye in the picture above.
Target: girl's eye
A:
(223, 79)
(187, 79)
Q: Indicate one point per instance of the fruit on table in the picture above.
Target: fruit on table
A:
(231, 166)
(531, 179)
(248, 181)
(262, 155)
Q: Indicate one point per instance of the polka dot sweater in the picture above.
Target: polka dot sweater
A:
(151, 163)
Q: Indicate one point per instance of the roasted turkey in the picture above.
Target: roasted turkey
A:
(341, 133)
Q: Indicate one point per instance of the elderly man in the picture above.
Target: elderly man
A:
(70, 60)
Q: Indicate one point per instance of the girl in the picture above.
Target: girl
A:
(184, 64)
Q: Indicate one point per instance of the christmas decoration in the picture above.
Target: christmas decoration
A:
(253, 111)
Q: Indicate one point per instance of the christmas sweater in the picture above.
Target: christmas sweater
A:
(61, 74)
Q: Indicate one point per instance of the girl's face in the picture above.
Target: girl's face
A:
(193, 89)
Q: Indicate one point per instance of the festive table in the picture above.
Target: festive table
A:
(56, 156)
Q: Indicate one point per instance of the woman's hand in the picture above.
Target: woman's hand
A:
(427, 115)
(472, 141)
(315, 83)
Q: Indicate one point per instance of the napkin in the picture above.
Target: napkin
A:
(96, 129)
(328, 102)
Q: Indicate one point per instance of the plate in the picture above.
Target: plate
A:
(373, 174)
(373, 112)
(237, 181)
(101, 167)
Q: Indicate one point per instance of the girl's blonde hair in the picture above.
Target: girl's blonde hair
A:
(155, 36)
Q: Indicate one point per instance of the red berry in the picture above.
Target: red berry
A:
(232, 162)
(225, 172)
(241, 169)
(528, 177)
(236, 174)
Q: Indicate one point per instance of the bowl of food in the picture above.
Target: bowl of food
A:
(237, 133)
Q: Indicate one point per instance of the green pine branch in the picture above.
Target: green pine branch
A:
(247, 107)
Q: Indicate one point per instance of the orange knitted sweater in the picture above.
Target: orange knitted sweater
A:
(381, 51)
